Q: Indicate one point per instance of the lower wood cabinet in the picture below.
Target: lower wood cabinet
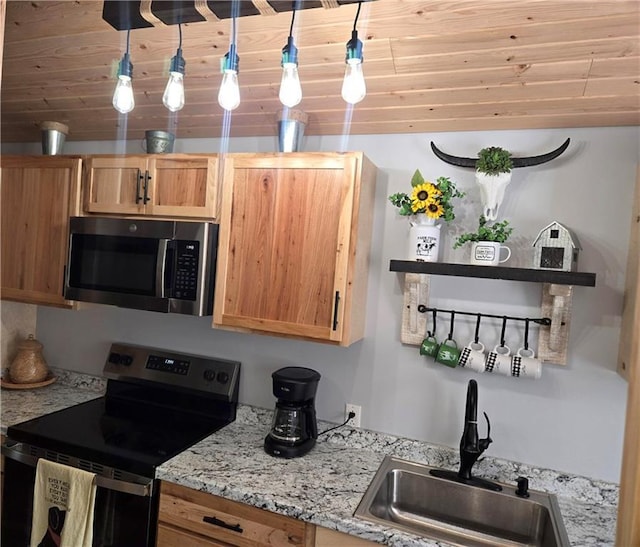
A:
(189, 518)
(331, 538)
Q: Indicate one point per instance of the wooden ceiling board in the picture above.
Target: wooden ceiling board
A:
(430, 66)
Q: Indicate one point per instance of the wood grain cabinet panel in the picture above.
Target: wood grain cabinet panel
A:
(295, 234)
(191, 518)
(331, 538)
(175, 186)
(39, 194)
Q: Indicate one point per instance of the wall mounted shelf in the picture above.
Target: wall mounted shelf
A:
(495, 272)
(557, 289)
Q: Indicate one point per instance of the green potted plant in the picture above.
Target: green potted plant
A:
(486, 242)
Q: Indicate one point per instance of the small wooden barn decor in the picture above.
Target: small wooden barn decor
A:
(556, 248)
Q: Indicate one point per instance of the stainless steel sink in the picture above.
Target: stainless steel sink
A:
(405, 496)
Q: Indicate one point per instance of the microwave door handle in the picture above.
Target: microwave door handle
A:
(161, 265)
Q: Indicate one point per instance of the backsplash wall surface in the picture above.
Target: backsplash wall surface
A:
(551, 422)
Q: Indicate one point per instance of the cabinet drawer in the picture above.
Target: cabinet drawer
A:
(225, 521)
(168, 536)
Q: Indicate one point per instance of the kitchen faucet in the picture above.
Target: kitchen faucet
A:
(471, 446)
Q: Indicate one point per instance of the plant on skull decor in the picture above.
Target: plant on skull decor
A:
(431, 199)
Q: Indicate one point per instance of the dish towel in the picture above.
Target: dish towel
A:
(63, 503)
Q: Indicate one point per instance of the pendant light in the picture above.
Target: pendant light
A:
(123, 100)
(354, 87)
(229, 94)
(290, 89)
(173, 97)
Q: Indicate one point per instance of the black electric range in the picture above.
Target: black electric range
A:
(157, 404)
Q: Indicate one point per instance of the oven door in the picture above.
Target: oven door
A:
(126, 511)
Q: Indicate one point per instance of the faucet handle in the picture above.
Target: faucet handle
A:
(483, 444)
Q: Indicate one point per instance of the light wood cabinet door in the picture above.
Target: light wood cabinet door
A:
(191, 519)
(39, 194)
(295, 234)
(114, 184)
(169, 186)
(182, 187)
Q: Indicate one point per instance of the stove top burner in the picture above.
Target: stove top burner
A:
(144, 419)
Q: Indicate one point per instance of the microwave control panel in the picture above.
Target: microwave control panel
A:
(186, 268)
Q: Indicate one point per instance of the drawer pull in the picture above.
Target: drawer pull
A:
(223, 524)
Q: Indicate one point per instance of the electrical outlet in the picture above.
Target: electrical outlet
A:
(357, 410)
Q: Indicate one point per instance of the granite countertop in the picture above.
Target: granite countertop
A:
(325, 486)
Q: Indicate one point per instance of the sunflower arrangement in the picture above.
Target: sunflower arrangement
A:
(432, 199)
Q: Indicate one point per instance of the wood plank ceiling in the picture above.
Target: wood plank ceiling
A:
(430, 65)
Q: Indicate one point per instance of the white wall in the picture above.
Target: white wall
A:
(571, 419)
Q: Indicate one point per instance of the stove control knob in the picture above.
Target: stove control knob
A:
(209, 375)
(126, 360)
(114, 358)
(223, 377)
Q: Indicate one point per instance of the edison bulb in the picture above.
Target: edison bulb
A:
(173, 97)
(290, 88)
(123, 95)
(229, 94)
(354, 87)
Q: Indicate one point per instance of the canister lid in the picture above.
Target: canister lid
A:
(30, 344)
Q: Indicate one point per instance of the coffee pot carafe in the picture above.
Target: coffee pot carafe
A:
(294, 429)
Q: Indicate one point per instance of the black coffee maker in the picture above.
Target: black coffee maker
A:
(294, 429)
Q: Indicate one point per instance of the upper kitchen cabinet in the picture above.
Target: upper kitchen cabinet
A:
(39, 194)
(175, 186)
(295, 233)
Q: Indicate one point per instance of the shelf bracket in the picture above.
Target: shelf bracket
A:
(553, 340)
(414, 323)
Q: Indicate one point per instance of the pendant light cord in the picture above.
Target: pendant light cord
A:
(355, 23)
(180, 35)
(293, 18)
(128, 34)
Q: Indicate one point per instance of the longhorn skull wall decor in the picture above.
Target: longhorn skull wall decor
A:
(493, 185)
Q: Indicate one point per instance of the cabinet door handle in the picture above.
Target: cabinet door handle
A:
(222, 524)
(335, 310)
(138, 179)
(147, 178)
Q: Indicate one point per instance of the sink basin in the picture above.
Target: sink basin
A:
(403, 495)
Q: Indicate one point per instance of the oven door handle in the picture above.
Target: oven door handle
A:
(144, 488)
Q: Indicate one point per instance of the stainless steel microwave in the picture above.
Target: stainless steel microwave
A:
(153, 265)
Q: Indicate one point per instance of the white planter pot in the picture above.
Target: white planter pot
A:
(424, 239)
